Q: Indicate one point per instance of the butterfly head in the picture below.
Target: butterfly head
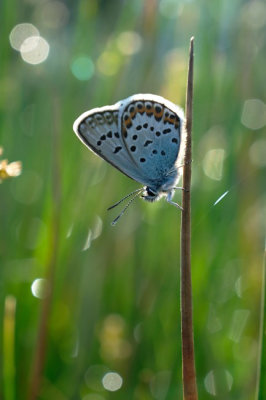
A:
(151, 194)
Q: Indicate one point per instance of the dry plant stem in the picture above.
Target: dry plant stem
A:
(41, 344)
(261, 367)
(188, 360)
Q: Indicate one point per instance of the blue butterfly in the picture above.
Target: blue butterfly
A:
(143, 137)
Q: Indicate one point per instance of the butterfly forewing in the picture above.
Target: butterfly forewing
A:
(98, 130)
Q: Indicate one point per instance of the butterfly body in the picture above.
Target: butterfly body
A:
(142, 136)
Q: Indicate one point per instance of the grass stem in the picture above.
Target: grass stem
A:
(188, 359)
(261, 367)
(41, 345)
(9, 370)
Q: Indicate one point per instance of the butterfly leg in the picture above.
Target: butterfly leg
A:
(169, 200)
(179, 187)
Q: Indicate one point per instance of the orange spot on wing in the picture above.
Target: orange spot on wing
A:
(167, 119)
(133, 113)
(128, 122)
(159, 114)
(177, 123)
(141, 109)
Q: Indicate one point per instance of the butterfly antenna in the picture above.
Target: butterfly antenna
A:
(124, 209)
(124, 198)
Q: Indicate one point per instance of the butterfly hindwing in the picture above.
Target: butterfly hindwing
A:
(151, 129)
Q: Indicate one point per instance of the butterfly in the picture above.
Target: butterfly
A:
(143, 137)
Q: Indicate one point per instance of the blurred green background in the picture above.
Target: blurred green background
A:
(113, 325)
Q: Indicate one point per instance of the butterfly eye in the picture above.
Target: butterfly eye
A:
(150, 192)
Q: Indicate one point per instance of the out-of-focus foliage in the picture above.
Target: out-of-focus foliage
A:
(114, 323)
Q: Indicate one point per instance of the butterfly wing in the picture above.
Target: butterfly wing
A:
(98, 129)
(151, 129)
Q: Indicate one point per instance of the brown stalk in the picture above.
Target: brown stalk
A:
(261, 364)
(41, 344)
(188, 359)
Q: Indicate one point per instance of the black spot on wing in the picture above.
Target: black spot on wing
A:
(147, 143)
(117, 149)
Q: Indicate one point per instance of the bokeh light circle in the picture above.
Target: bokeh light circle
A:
(112, 381)
(213, 163)
(34, 50)
(218, 382)
(129, 42)
(82, 68)
(254, 114)
(108, 63)
(52, 14)
(40, 288)
(257, 153)
(20, 33)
